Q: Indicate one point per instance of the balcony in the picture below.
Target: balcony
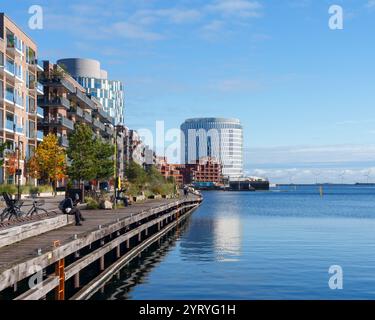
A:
(64, 142)
(87, 117)
(67, 123)
(59, 82)
(9, 96)
(56, 102)
(39, 135)
(109, 130)
(19, 130)
(40, 112)
(10, 67)
(18, 100)
(103, 115)
(59, 121)
(10, 125)
(39, 88)
(76, 111)
(36, 64)
(39, 65)
(83, 99)
(98, 124)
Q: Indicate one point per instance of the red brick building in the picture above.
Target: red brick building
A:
(170, 170)
(204, 170)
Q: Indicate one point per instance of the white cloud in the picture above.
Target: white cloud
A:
(313, 175)
(329, 154)
(171, 15)
(241, 8)
(370, 4)
(133, 31)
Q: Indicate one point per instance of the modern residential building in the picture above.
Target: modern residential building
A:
(19, 89)
(168, 170)
(217, 138)
(134, 148)
(206, 170)
(89, 75)
(65, 103)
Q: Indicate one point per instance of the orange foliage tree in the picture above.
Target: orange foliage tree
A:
(48, 161)
(11, 164)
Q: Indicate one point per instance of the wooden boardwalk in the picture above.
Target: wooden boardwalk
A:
(28, 248)
(102, 232)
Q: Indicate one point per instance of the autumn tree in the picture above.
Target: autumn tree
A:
(3, 147)
(48, 161)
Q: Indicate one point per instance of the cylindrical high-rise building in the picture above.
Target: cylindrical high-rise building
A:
(217, 138)
(89, 75)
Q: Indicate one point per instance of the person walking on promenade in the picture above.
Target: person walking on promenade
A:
(186, 191)
(68, 206)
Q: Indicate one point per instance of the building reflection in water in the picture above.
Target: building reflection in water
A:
(227, 238)
(210, 239)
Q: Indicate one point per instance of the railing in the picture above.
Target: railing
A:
(60, 82)
(109, 130)
(87, 117)
(19, 130)
(10, 67)
(64, 142)
(40, 112)
(55, 102)
(9, 95)
(67, 123)
(60, 120)
(39, 135)
(84, 98)
(18, 100)
(9, 125)
(103, 114)
(39, 87)
(39, 63)
(99, 125)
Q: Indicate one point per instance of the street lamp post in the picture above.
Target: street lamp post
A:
(18, 170)
(115, 166)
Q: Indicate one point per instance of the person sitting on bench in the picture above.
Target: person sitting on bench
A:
(70, 207)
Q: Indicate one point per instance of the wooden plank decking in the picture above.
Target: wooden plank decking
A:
(28, 248)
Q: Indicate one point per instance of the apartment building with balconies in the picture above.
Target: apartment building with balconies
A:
(65, 102)
(19, 91)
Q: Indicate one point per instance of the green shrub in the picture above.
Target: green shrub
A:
(45, 188)
(92, 204)
(8, 188)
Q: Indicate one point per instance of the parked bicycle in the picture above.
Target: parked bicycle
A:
(13, 209)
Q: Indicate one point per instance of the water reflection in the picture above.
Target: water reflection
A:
(227, 235)
(137, 271)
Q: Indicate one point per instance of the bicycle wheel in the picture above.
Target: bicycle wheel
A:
(36, 211)
(4, 214)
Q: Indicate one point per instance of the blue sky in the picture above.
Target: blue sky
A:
(304, 92)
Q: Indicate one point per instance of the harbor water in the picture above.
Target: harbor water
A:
(261, 245)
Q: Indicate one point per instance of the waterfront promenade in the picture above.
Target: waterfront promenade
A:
(103, 230)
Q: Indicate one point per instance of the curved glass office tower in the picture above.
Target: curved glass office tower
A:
(89, 75)
(218, 138)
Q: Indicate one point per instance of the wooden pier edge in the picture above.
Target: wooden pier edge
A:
(164, 217)
(95, 284)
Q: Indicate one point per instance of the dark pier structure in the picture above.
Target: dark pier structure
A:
(70, 262)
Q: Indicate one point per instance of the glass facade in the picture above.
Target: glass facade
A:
(217, 138)
(110, 94)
